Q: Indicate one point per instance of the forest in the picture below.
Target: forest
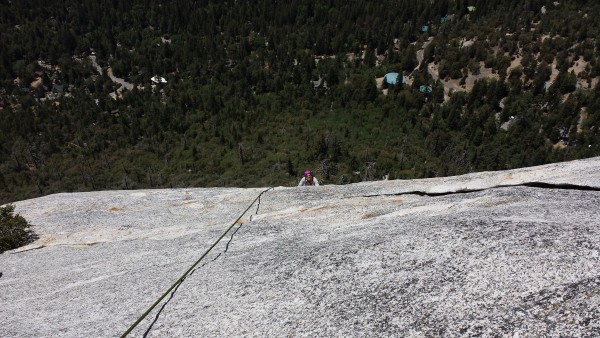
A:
(104, 95)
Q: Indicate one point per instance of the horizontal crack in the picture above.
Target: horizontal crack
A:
(542, 185)
(565, 186)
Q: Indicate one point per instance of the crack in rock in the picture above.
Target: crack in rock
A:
(542, 185)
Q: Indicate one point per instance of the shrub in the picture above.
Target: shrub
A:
(14, 230)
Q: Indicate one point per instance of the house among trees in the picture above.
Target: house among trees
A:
(320, 83)
(158, 79)
(392, 78)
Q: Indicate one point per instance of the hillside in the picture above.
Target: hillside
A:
(175, 94)
(506, 253)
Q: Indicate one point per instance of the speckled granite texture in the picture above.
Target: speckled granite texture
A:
(510, 254)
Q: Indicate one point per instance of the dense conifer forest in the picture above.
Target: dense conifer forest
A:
(136, 94)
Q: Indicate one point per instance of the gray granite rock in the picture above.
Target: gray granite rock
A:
(510, 253)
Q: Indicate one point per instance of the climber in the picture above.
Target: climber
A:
(308, 179)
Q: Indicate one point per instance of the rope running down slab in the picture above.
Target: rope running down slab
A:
(185, 274)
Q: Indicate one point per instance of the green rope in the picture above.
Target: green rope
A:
(190, 269)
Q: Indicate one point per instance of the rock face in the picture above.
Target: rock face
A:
(512, 253)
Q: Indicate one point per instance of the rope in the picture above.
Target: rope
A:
(185, 274)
